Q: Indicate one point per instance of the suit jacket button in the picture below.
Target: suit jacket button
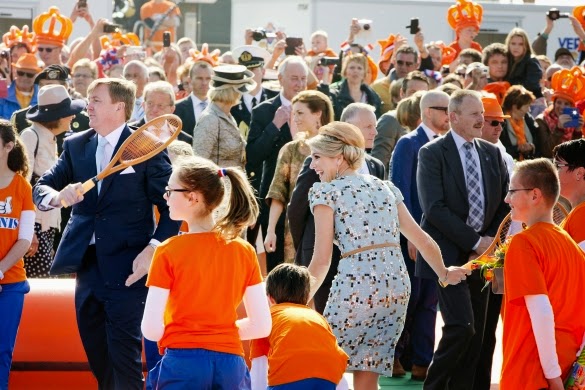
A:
(252, 174)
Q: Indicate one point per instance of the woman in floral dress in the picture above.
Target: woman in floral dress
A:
(311, 110)
(364, 216)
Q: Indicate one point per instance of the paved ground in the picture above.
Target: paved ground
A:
(407, 384)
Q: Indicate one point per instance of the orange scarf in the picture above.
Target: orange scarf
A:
(518, 126)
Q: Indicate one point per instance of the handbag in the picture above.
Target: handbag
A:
(34, 178)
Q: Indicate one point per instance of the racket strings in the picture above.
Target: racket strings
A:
(149, 140)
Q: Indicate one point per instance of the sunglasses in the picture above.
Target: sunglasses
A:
(20, 73)
(402, 63)
(495, 123)
(47, 49)
(169, 190)
(444, 109)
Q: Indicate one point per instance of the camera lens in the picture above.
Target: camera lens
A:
(4, 54)
(366, 27)
(257, 35)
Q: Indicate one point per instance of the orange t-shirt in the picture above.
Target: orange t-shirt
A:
(207, 277)
(14, 199)
(542, 259)
(574, 224)
(300, 343)
(455, 45)
(151, 10)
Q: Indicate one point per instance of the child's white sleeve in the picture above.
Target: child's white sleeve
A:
(259, 322)
(342, 385)
(259, 373)
(543, 326)
(153, 326)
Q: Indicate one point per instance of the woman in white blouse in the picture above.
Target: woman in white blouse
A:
(51, 117)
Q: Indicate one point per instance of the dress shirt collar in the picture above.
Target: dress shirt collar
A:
(459, 140)
(114, 136)
(284, 101)
(196, 100)
(430, 133)
(248, 98)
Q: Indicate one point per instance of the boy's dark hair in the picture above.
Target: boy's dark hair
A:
(471, 53)
(572, 152)
(493, 49)
(289, 283)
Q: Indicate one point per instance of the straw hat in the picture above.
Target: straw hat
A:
(237, 77)
(54, 103)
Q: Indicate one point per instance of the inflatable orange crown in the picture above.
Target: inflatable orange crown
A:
(448, 54)
(499, 89)
(16, 36)
(118, 39)
(386, 47)
(204, 55)
(569, 84)
(465, 14)
(579, 13)
(52, 28)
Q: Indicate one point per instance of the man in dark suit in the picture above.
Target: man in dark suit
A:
(111, 236)
(189, 108)
(300, 218)
(462, 182)
(254, 58)
(269, 131)
(419, 328)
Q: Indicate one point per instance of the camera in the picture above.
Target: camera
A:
(326, 61)
(82, 4)
(5, 54)
(260, 34)
(413, 26)
(554, 14)
(366, 24)
(111, 28)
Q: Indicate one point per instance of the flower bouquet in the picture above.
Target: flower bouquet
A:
(491, 267)
(576, 380)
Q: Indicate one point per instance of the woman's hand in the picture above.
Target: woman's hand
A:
(270, 241)
(34, 246)
(454, 275)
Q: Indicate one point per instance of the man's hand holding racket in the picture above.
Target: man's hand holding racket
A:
(69, 195)
(140, 265)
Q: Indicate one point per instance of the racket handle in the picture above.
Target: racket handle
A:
(64, 204)
(88, 185)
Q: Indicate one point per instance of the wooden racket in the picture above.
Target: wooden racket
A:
(144, 143)
(559, 214)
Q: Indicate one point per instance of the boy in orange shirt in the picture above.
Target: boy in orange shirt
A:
(544, 315)
(301, 350)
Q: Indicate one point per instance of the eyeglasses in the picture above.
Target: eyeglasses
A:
(82, 76)
(47, 49)
(512, 191)
(169, 190)
(20, 73)
(559, 165)
(495, 123)
(444, 109)
(402, 63)
(159, 106)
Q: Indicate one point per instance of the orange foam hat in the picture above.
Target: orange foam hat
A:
(499, 89)
(579, 14)
(373, 70)
(52, 28)
(204, 55)
(16, 36)
(465, 14)
(569, 84)
(28, 61)
(386, 48)
(448, 54)
(118, 39)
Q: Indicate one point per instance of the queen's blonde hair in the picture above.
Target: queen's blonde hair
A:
(340, 138)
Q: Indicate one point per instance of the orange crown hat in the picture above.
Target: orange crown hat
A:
(204, 55)
(16, 36)
(498, 88)
(569, 84)
(118, 39)
(52, 28)
(465, 14)
(448, 54)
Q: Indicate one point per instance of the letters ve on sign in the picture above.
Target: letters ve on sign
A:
(570, 43)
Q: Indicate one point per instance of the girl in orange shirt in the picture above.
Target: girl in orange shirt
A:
(17, 219)
(198, 279)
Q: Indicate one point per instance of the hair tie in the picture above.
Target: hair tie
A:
(222, 172)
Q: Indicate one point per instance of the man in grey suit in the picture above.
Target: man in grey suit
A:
(300, 218)
(462, 182)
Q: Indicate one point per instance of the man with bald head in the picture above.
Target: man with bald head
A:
(422, 307)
